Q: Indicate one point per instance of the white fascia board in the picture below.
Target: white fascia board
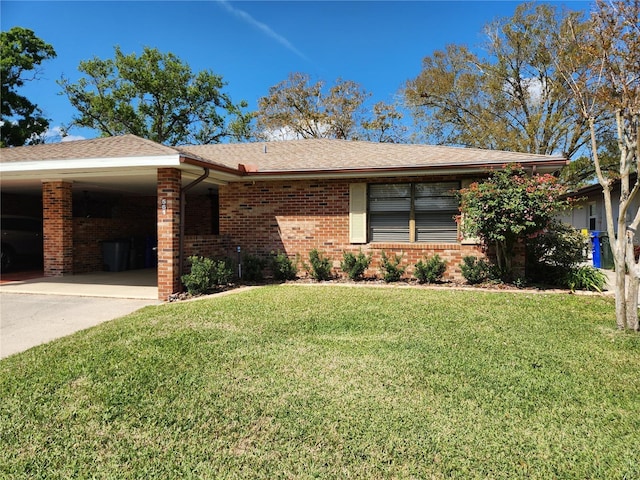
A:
(85, 164)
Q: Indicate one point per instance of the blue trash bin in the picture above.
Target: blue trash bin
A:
(595, 249)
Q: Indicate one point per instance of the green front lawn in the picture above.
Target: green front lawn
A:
(332, 382)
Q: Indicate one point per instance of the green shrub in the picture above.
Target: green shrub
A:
(475, 271)
(547, 274)
(390, 267)
(206, 274)
(550, 254)
(252, 266)
(431, 270)
(585, 277)
(320, 268)
(283, 267)
(355, 265)
(223, 271)
(560, 244)
(508, 207)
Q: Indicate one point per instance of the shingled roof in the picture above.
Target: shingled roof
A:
(286, 157)
(334, 155)
(123, 146)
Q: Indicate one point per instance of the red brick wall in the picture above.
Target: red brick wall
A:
(169, 185)
(134, 218)
(139, 209)
(89, 233)
(212, 246)
(298, 216)
(57, 213)
(198, 215)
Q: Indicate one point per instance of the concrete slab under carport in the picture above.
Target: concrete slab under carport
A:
(131, 284)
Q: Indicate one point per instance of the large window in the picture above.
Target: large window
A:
(413, 212)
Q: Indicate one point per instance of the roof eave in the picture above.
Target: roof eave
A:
(217, 167)
(536, 166)
(56, 165)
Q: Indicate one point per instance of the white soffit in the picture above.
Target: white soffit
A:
(85, 164)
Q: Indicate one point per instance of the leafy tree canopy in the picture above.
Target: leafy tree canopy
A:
(385, 125)
(582, 172)
(512, 98)
(155, 96)
(296, 107)
(21, 54)
(509, 206)
(300, 108)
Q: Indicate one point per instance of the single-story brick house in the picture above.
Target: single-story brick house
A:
(209, 200)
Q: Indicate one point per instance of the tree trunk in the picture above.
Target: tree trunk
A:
(632, 302)
(500, 256)
(633, 284)
(619, 289)
(504, 258)
(618, 247)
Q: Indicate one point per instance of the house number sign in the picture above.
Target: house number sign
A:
(163, 206)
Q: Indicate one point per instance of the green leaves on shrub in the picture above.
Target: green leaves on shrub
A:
(554, 255)
(475, 270)
(431, 270)
(252, 266)
(320, 268)
(206, 274)
(585, 277)
(355, 265)
(508, 206)
(390, 267)
(560, 244)
(558, 248)
(282, 266)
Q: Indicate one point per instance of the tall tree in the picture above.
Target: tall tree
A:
(582, 172)
(155, 96)
(21, 54)
(512, 98)
(385, 126)
(602, 66)
(298, 108)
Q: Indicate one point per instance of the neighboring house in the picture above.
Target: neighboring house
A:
(589, 213)
(290, 196)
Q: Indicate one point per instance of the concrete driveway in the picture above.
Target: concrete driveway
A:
(27, 320)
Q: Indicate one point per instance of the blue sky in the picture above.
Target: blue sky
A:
(253, 45)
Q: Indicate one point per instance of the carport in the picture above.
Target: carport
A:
(140, 284)
(100, 197)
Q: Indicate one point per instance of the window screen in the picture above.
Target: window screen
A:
(389, 212)
(436, 207)
(433, 206)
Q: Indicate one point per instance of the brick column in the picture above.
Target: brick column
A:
(57, 217)
(169, 185)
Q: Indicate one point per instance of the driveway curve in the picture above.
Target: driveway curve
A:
(27, 320)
